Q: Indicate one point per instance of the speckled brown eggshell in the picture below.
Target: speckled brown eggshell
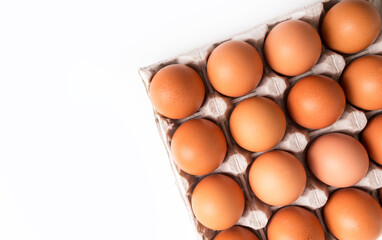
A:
(350, 26)
(338, 159)
(236, 233)
(316, 102)
(292, 47)
(362, 82)
(177, 91)
(198, 146)
(257, 124)
(295, 223)
(217, 202)
(234, 68)
(277, 178)
(352, 214)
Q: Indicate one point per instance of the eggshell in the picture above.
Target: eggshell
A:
(294, 223)
(351, 26)
(234, 68)
(372, 138)
(236, 233)
(198, 146)
(316, 102)
(277, 178)
(338, 159)
(292, 47)
(352, 214)
(217, 202)
(362, 82)
(177, 91)
(257, 124)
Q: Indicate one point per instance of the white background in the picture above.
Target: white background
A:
(80, 155)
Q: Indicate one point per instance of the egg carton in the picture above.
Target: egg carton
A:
(217, 108)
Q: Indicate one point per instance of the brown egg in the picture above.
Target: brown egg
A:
(177, 91)
(217, 202)
(277, 178)
(198, 146)
(292, 47)
(372, 138)
(257, 124)
(338, 160)
(294, 223)
(351, 26)
(362, 82)
(234, 68)
(352, 214)
(380, 195)
(236, 233)
(316, 102)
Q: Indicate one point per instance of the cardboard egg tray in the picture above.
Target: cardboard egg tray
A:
(218, 108)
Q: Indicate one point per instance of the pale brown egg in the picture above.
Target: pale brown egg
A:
(217, 202)
(198, 146)
(362, 82)
(234, 68)
(352, 214)
(277, 178)
(177, 91)
(257, 124)
(292, 47)
(236, 233)
(351, 26)
(316, 102)
(294, 223)
(372, 138)
(337, 159)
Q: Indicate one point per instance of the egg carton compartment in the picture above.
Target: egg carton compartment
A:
(217, 108)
